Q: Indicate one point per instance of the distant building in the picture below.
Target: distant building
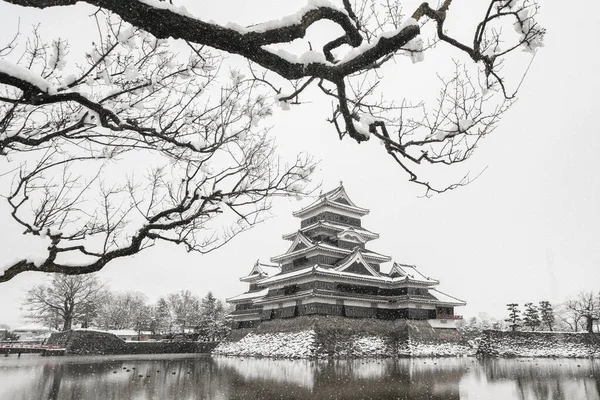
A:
(3, 333)
(131, 335)
(32, 333)
(328, 270)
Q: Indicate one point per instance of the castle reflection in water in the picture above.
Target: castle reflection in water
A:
(202, 377)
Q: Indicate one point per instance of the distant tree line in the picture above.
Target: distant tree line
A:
(67, 301)
(534, 317)
(578, 313)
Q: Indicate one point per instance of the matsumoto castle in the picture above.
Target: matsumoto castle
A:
(329, 270)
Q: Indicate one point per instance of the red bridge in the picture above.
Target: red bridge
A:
(18, 348)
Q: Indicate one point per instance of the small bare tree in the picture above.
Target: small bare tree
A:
(585, 306)
(567, 319)
(65, 300)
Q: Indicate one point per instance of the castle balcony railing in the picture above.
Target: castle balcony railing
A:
(247, 311)
(449, 316)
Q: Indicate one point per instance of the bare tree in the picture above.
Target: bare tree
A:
(349, 67)
(134, 96)
(567, 319)
(65, 300)
(184, 308)
(128, 310)
(586, 306)
(132, 144)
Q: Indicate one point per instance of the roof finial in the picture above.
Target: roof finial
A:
(341, 182)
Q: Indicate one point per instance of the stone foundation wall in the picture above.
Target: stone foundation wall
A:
(331, 336)
(97, 343)
(539, 344)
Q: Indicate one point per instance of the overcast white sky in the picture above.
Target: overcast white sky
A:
(527, 230)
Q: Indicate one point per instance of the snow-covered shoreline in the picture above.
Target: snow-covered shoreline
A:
(539, 344)
(337, 337)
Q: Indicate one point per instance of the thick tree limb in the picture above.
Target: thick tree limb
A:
(165, 23)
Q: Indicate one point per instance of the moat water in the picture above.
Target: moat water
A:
(186, 377)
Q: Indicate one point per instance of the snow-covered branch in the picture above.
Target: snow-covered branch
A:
(375, 35)
(133, 145)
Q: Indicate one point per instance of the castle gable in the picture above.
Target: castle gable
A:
(300, 242)
(356, 264)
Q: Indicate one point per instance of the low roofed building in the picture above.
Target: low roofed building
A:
(32, 333)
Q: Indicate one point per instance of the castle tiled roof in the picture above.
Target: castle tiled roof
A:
(331, 249)
(260, 271)
(337, 198)
(335, 227)
(248, 296)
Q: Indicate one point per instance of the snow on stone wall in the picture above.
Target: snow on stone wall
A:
(414, 348)
(326, 343)
(279, 345)
(539, 344)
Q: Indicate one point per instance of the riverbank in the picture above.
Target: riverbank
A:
(539, 344)
(90, 342)
(339, 337)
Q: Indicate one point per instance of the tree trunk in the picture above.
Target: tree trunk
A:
(68, 323)
(589, 322)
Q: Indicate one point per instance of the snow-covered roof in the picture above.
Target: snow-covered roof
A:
(351, 235)
(356, 257)
(91, 330)
(316, 269)
(336, 198)
(410, 272)
(446, 298)
(333, 249)
(259, 271)
(300, 239)
(288, 275)
(33, 328)
(335, 227)
(127, 332)
(248, 296)
(398, 300)
(375, 256)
